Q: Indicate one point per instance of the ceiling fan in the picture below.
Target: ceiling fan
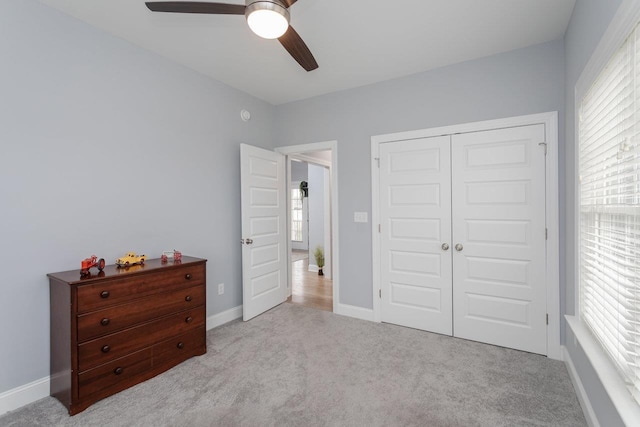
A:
(267, 18)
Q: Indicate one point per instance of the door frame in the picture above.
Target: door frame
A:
(552, 274)
(297, 151)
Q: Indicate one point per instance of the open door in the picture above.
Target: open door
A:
(264, 230)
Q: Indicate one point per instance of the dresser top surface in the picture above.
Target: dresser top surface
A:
(73, 277)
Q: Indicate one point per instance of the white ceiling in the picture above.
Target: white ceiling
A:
(355, 42)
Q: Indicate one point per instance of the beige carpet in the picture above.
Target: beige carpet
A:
(296, 366)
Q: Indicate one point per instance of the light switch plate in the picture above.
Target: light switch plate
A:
(360, 217)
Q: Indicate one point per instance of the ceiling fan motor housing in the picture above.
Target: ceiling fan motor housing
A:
(273, 5)
(267, 18)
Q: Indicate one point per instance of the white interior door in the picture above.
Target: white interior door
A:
(264, 247)
(415, 214)
(499, 290)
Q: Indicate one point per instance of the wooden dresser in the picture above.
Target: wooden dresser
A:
(117, 328)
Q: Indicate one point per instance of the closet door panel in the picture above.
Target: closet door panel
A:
(498, 184)
(415, 212)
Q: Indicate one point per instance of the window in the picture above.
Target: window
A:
(296, 215)
(609, 191)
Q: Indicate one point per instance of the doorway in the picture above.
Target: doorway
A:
(310, 229)
(312, 225)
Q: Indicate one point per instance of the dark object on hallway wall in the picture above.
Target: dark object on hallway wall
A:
(304, 188)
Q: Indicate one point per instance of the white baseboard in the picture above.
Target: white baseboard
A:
(313, 268)
(354, 311)
(224, 317)
(585, 403)
(13, 399)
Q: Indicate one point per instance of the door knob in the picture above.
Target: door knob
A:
(459, 247)
(248, 241)
(445, 246)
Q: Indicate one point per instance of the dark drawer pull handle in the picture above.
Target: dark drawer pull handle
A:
(187, 276)
(180, 345)
(188, 319)
(105, 349)
(188, 298)
(104, 294)
(105, 322)
(118, 371)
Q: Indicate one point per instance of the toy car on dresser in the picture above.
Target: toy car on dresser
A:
(91, 262)
(131, 259)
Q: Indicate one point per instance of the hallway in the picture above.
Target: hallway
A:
(309, 289)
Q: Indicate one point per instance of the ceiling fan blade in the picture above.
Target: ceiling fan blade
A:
(289, 3)
(298, 49)
(196, 7)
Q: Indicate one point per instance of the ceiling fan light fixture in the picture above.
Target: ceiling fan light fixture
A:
(268, 19)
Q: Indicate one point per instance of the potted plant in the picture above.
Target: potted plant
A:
(319, 255)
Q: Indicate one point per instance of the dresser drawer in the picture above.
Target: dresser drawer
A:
(115, 318)
(110, 347)
(100, 295)
(175, 350)
(115, 372)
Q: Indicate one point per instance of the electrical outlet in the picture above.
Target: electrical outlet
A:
(220, 288)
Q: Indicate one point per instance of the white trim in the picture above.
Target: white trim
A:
(583, 397)
(613, 384)
(311, 159)
(295, 151)
(225, 317)
(354, 311)
(20, 396)
(375, 223)
(550, 120)
(620, 27)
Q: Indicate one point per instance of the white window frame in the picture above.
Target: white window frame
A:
(621, 26)
(295, 187)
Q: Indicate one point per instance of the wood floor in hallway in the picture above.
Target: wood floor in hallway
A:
(309, 289)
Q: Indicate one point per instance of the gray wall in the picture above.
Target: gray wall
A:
(589, 22)
(107, 148)
(316, 210)
(299, 171)
(526, 81)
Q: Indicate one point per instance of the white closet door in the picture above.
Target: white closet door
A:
(415, 213)
(499, 290)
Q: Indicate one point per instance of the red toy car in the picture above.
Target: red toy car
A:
(174, 255)
(92, 261)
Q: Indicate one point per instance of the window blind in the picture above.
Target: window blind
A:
(609, 191)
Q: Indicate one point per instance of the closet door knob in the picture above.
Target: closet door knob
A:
(459, 247)
(445, 246)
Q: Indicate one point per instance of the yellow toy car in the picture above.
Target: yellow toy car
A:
(130, 259)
